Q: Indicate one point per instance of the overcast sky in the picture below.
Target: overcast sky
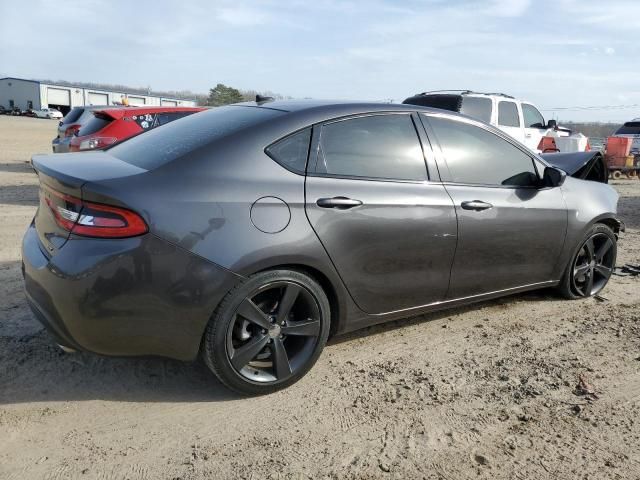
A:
(559, 53)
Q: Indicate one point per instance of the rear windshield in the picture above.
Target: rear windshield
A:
(629, 128)
(93, 125)
(172, 141)
(73, 115)
(477, 107)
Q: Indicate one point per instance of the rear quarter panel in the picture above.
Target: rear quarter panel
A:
(202, 203)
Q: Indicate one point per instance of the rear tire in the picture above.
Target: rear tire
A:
(591, 264)
(267, 332)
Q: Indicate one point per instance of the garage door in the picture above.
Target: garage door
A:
(170, 103)
(94, 98)
(58, 96)
(136, 100)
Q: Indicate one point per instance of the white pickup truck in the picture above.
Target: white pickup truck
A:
(520, 119)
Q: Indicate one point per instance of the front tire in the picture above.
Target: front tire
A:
(267, 332)
(591, 265)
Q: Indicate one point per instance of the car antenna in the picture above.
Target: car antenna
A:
(262, 99)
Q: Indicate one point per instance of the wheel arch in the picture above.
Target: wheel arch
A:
(612, 222)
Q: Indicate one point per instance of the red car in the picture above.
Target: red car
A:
(113, 125)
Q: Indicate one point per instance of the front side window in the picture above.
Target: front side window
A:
(477, 107)
(532, 117)
(508, 114)
(376, 146)
(477, 156)
(291, 152)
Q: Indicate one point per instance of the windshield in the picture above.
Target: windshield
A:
(629, 128)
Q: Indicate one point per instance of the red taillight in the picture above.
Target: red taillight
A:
(94, 219)
(71, 130)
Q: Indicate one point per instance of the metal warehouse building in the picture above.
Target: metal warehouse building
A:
(21, 93)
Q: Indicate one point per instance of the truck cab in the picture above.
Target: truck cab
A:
(520, 119)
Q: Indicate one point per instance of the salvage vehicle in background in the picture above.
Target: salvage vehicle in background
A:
(522, 120)
(50, 113)
(108, 126)
(623, 150)
(248, 233)
(631, 130)
(70, 125)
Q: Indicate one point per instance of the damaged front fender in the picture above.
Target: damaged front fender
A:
(583, 165)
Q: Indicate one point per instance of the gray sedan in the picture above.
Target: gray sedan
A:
(250, 233)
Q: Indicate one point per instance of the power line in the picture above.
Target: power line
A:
(600, 107)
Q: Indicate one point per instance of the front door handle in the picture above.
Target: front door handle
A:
(475, 205)
(341, 203)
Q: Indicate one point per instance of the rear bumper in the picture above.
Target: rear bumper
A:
(135, 296)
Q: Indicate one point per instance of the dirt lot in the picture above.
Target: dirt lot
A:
(481, 392)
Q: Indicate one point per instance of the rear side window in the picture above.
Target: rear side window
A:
(152, 120)
(73, 115)
(163, 145)
(508, 114)
(377, 146)
(95, 124)
(476, 156)
(477, 107)
(291, 152)
(629, 128)
(164, 118)
(532, 117)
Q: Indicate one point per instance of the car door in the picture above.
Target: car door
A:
(389, 231)
(534, 126)
(510, 231)
(509, 119)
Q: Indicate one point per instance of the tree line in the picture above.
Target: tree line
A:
(222, 94)
(591, 129)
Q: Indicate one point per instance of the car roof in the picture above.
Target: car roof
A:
(330, 106)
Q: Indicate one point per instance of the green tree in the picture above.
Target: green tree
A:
(223, 95)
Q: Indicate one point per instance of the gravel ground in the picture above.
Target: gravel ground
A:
(482, 392)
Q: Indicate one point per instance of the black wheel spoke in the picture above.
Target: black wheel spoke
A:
(603, 249)
(281, 366)
(588, 245)
(251, 312)
(247, 352)
(289, 297)
(603, 270)
(589, 283)
(303, 328)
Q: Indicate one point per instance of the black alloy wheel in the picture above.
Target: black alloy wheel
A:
(593, 265)
(274, 332)
(268, 333)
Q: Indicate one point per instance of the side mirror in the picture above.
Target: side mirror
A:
(552, 124)
(553, 177)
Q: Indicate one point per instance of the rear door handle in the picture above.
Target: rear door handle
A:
(475, 205)
(341, 203)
